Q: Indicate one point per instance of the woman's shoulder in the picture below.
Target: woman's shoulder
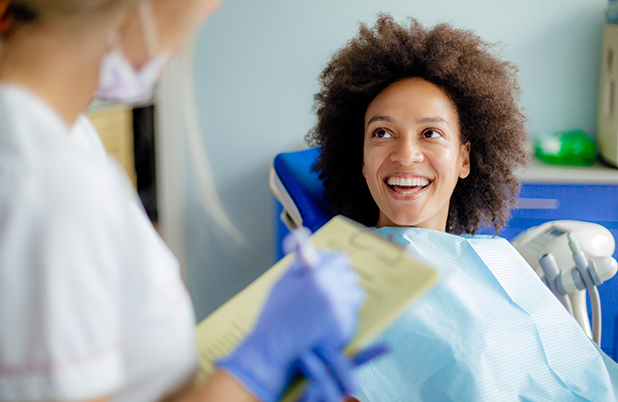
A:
(43, 168)
(62, 207)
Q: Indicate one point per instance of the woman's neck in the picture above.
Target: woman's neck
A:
(59, 65)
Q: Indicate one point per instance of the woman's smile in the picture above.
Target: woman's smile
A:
(413, 155)
(408, 187)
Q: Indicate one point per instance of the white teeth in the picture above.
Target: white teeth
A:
(407, 181)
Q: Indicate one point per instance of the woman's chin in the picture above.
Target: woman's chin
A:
(405, 220)
(399, 222)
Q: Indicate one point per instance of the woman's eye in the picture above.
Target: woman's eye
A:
(382, 134)
(431, 134)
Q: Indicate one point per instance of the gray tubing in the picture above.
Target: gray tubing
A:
(596, 314)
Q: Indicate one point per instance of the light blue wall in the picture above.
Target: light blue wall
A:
(257, 64)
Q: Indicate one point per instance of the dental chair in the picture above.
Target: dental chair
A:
(302, 202)
(299, 190)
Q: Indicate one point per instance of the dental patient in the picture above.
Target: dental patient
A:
(421, 135)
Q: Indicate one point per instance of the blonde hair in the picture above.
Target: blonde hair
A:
(22, 12)
(48, 8)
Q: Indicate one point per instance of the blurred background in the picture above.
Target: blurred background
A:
(256, 69)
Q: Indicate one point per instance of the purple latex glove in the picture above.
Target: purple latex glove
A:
(330, 373)
(307, 308)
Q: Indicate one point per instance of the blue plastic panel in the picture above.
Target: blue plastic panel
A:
(304, 186)
(585, 203)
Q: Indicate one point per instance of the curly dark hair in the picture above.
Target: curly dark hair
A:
(482, 87)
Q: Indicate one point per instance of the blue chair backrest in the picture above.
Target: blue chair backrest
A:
(304, 187)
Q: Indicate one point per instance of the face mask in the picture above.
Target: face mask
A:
(119, 81)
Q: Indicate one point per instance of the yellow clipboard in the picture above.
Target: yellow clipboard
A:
(392, 278)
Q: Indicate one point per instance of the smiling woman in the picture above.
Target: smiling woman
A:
(443, 131)
(421, 134)
(413, 155)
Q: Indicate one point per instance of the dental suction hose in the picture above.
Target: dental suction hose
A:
(585, 275)
(551, 270)
(595, 302)
(589, 276)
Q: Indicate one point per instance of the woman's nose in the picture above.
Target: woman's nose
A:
(407, 152)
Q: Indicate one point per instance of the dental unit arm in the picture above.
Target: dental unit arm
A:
(572, 257)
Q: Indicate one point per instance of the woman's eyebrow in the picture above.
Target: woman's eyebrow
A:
(387, 119)
(426, 120)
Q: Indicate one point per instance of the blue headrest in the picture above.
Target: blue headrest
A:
(304, 186)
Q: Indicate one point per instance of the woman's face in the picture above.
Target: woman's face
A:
(413, 155)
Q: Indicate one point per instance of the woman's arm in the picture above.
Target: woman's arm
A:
(219, 386)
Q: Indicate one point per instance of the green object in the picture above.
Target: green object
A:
(566, 148)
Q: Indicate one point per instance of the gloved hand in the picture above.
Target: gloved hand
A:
(306, 308)
(330, 373)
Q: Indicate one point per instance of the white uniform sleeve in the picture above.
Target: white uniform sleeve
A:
(60, 279)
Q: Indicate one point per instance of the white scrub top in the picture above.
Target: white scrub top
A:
(91, 299)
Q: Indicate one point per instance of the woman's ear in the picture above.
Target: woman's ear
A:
(464, 171)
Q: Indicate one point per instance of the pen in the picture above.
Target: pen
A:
(299, 241)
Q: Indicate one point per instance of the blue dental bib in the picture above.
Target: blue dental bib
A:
(490, 331)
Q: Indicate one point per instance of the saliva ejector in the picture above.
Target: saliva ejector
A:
(572, 257)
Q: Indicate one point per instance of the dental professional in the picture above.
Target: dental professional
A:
(92, 306)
